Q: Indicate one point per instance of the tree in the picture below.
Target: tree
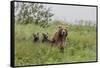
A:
(32, 13)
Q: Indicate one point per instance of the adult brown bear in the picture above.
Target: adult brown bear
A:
(59, 38)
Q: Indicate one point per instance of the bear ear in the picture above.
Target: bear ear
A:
(37, 33)
(59, 26)
(33, 33)
(66, 27)
(47, 33)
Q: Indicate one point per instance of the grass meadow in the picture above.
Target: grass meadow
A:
(81, 45)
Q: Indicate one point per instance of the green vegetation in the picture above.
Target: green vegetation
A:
(36, 13)
(81, 45)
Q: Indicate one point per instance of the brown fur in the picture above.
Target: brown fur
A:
(59, 38)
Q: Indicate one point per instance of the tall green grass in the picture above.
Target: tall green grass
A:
(81, 45)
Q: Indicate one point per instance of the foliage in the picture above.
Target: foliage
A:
(32, 13)
(81, 45)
